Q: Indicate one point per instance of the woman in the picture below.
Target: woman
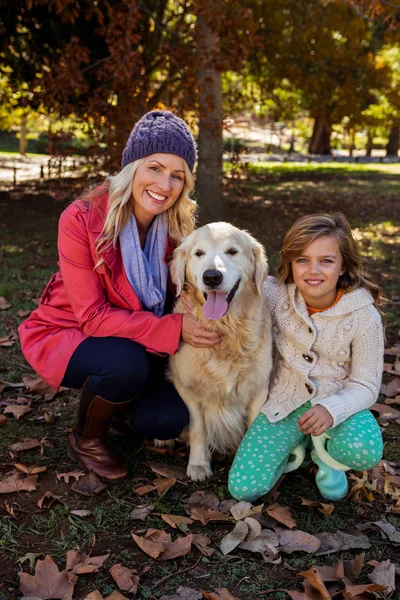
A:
(102, 323)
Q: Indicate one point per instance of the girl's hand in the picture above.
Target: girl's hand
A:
(187, 302)
(315, 420)
(195, 334)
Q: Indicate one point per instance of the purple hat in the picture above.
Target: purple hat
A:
(160, 131)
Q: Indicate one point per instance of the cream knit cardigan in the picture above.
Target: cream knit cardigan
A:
(333, 358)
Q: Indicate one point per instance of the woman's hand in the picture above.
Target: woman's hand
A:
(316, 420)
(195, 334)
(187, 302)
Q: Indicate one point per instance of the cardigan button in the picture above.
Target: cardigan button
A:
(347, 327)
(309, 388)
(342, 353)
(285, 306)
(307, 358)
(310, 330)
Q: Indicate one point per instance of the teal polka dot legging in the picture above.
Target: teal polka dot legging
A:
(266, 448)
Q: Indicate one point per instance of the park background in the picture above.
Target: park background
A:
(295, 107)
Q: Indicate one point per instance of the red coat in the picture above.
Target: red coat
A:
(80, 302)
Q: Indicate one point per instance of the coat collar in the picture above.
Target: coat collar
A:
(98, 210)
(349, 302)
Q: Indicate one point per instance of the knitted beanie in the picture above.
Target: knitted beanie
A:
(160, 131)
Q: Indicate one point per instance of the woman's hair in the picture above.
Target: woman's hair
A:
(311, 227)
(181, 215)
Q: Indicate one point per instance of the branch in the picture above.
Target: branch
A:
(93, 65)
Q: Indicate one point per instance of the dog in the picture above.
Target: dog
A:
(222, 270)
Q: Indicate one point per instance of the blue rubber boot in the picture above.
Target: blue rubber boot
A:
(332, 484)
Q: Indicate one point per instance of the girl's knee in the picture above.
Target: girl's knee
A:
(243, 493)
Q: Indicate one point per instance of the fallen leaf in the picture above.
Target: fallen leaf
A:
(177, 521)
(7, 342)
(18, 483)
(126, 579)
(48, 581)
(281, 514)
(67, 476)
(29, 469)
(17, 411)
(297, 595)
(205, 515)
(180, 547)
(3, 420)
(139, 513)
(184, 593)
(162, 485)
(165, 470)
(293, 541)
(314, 579)
(389, 530)
(203, 499)
(31, 557)
(4, 305)
(48, 499)
(202, 543)
(241, 510)
(333, 542)
(79, 563)
(219, 594)
(13, 512)
(394, 351)
(89, 485)
(384, 574)
(23, 313)
(233, 539)
(94, 596)
(36, 384)
(144, 489)
(153, 549)
(390, 389)
(80, 513)
(352, 568)
(325, 509)
(254, 529)
(357, 590)
(158, 544)
(331, 572)
(26, 444)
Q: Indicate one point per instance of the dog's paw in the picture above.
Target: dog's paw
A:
(198, 472)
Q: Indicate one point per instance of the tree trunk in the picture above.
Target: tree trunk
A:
(370, 146)
(352, 141)
(210, 146)
(320, 142)
(22, 139)
(392, 147)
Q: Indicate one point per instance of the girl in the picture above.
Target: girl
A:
(103, 322)
(328, 365)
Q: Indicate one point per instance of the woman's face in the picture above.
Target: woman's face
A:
(156, 186)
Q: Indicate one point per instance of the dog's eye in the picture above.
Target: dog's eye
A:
(232, 251)
(199, 253)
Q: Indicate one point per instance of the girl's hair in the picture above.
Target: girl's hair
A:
(181, 215)
(311, 227)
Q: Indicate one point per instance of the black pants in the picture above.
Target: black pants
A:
(119, 370)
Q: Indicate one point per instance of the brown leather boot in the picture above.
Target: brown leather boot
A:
(86, 444)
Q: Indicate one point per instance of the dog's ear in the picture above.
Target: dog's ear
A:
(178, 268)
(261, 264)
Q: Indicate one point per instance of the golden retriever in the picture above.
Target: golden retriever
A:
(224, 387)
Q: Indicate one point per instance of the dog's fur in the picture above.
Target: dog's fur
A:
(224, 386)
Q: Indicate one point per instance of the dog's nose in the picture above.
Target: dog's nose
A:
(212, 277)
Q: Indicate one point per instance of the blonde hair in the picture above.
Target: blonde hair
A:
(181, 215)
(311, 227)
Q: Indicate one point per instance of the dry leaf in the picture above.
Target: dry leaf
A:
(48, 581)
(153, 549)
(11, 511)
(18, 483)
(79, 563)
(314, 579)
(26, 444)
(177, 521)
(184, 593)
(205, 515)
(126, 579)
(357, 590)
(325, 509)
(254, 529)
(3, 421)
(17, 411)
(180, 547)
(139, 513)
(67, 476)
(36, 384)
(158, 544)
(202, 543)
(144, 489)
(293, 541)
(31, 557)
(7, 342)
(331, 573)
(4, 304)
(266, 544)
(219, 594)
(233, 539)
(352, 568)
(23, 313)
(164, 470)
(80, 513)
(89, 485)
(297, 595)
(29, 469)
(281, 514)
(384, 574)
(333, 542)
(203, 499)
(390, 531)
(162, 485)
(241, 510)
(390, 389)
(48, 499)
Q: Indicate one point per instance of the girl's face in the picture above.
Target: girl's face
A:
(316, 271)
(156, 186)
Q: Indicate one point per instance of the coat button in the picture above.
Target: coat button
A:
(309, 388)
(307, 358)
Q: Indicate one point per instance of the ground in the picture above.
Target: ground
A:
(264, 200)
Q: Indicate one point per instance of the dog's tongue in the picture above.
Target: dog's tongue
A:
(215, 306)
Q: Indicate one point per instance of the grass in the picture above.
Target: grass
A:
(265, 202)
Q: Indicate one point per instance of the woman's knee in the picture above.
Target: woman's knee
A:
(160, 425)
